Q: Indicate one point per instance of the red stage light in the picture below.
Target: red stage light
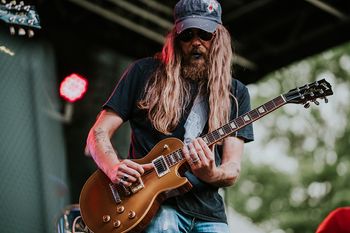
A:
(73, 87)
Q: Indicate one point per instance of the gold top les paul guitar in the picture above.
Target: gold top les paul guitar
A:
(106, 207)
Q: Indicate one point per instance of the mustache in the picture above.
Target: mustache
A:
(195, 51)
(198, 53)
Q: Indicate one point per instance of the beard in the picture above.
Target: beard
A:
(195, 67)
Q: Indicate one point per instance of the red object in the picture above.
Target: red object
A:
(73, 87)
(337, 221)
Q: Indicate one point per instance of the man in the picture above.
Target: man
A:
(184, 91)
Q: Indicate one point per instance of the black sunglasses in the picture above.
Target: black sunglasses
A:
(189, 34)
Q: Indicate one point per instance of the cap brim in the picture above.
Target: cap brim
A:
(196, 22)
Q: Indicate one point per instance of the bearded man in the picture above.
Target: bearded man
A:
(185, 91)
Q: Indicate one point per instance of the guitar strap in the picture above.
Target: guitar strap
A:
(193, 128)
(196, 119)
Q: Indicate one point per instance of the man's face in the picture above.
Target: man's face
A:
(195, 45)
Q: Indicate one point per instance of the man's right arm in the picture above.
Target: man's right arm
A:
(100, 147)
(99, 144)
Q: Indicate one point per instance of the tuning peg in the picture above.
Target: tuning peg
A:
(312, 94)
(3, 1)
(307, 105)
(30, 33)
(12, 30)
(326, 100)
(21, 32)
(316, 102)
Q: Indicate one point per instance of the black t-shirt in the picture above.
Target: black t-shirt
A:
(203, 201)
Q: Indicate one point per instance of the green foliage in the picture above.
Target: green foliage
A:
(296, 171)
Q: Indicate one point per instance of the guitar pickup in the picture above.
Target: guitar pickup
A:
(160, 166)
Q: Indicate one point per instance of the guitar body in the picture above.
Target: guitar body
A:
(102, 214)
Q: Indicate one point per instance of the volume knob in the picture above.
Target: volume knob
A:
(117, 224)
(120, 209)
(132, 214)
(106, 218)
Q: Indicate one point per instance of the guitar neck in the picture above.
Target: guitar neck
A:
(229, 128)
(244, 120)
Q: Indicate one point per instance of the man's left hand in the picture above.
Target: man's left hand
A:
(201, 159)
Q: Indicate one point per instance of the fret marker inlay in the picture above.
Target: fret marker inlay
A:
(261, 110)
(233, 125)
(205, 140)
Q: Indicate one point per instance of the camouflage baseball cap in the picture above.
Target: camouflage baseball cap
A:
(202, 14)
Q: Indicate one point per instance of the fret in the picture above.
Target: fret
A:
(210, 137)
(254, 114)
(167, 160)
(216, 135)
(227, 129)
(269, 105)
(239, 121)
(178, 155)
(278, 101)
(172, 160)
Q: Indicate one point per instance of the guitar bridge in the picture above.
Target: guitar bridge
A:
(161, 166)
(137, 186)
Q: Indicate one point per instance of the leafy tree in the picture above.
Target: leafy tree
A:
(296, 171)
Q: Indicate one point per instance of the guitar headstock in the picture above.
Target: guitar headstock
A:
(21, 18)
(309, 93)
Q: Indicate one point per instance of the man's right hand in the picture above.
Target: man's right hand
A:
(127, 171)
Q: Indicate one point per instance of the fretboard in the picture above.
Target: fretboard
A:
(243, 120)
(230, 128)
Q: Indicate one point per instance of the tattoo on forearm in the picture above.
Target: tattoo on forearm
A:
(109, 150)
(102, 139)
(99, 135)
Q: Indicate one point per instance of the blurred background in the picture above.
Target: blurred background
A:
(295, 171)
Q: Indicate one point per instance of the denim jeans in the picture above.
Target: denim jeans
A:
(169, 220)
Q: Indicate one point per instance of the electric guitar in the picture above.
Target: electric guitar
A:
(107, 207)
(20, 17)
